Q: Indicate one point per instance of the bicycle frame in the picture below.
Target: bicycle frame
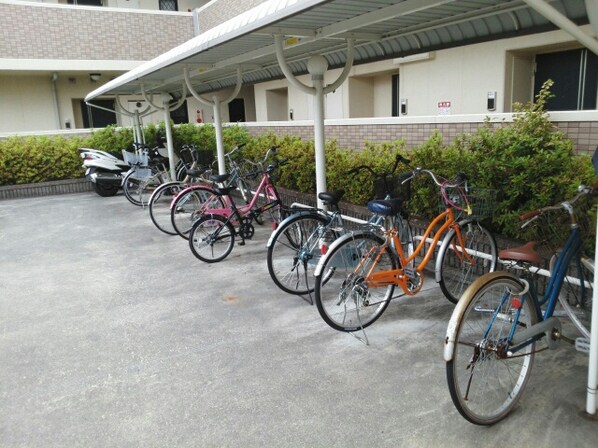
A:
(530, 335)
(397, 276)
(269, 192)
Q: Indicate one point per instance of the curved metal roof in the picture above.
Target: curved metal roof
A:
(382, 29)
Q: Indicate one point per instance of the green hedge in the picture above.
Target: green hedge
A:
(528, 161)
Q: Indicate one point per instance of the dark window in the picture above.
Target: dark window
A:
(86, 2)
(575, 76)
(98, 118)
(168, 5)
(395, 96)
(236, 110)
(180, 115)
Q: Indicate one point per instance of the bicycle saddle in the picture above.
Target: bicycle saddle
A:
(220, 177)
(386, 207)
(527, 253)
(331, 197)
(224, 190)
(195, 172)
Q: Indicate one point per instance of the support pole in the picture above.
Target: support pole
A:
(591, 407)
(169, 144)
(216, 104)
(316, 66)
(219, 136)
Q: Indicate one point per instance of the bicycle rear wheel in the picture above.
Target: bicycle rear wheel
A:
(484, 381)
(454, 271)
(294, 252)
(577, 292)
(189, 206)
(344, 298)
(159, 205)
(212, 238)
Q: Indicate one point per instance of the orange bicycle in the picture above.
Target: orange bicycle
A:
(356, 279)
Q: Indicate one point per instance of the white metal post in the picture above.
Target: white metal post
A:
(593, 364)
(319, 142)
(219, 138)
(169, 144)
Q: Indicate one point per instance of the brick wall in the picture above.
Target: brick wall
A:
(44, 32)
(222, 10)
(583, 133)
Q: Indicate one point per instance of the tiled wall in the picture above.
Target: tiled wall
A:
(223, 10)
(584, 134)
(46, 32)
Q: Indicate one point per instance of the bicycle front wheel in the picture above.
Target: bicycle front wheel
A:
(468, 252)
(131, 187)
(159, 206)
(189, 206)
(577, 292)
(212, 238)
(346, 300)
(295, 252)
(485, 380)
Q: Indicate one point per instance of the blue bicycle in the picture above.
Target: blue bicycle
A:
(502, 321)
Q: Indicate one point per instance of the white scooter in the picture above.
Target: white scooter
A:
(103, 170)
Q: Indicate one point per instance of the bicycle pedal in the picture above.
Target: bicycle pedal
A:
(582, 345)
(241, 243)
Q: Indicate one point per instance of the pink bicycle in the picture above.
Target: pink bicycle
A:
(212, 236)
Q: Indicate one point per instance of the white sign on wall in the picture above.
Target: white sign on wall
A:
(444, 107)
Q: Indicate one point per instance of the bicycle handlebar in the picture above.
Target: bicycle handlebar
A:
(532, 215)
(399, 158)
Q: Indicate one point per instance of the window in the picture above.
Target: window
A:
(86, 2)
(575, 76)
(395, 96)
(168, 5)
(98, 118)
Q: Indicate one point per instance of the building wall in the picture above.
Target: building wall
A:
(218, 11)
(41, 31)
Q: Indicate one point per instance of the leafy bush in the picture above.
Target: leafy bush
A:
(26, 160)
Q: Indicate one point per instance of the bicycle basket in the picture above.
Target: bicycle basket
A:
(392, 187)
(475, 203)
(131, 158)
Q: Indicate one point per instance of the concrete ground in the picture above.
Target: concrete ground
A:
(113, 335)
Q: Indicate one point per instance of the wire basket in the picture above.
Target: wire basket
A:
(391, 186)
(131, 158)
(473, 202)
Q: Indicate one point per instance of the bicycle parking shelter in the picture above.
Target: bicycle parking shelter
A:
(287, 38)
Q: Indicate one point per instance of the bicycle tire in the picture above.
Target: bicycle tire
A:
(294, 252)
(131, 186)
(149, 185)
(499, 379)
(454, 272)
(159, 205)
(344, 300)
(212, 238)
(188, 206)
(577, 292)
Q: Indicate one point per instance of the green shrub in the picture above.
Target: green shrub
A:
(26, 160)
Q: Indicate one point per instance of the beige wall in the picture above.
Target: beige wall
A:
(26, 104)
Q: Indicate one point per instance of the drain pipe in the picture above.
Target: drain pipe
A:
(55, 101)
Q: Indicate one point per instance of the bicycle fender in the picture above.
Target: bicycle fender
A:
(282, 224)
(459, 311)
(444, 247)
(332, 248)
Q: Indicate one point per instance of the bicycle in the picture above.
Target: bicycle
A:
(296, 246)
(491, 338)
(355, 281)
(188, 205)
(212, 236)
(149, 170)
(161, 198)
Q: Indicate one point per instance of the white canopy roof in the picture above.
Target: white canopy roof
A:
(382, 29)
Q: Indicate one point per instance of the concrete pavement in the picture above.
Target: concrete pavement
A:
(113, 335)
